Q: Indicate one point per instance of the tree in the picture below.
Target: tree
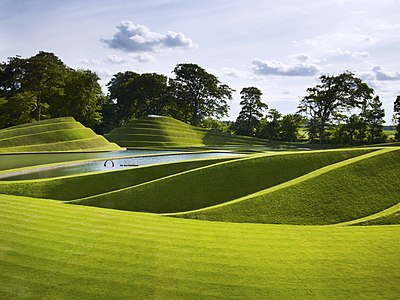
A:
(82, 99)
(335, 94)
(290, 126)
(150, 94)
(17, 109)
(374, 118)
(252, 111)
(396, 117)
(270, 126)
(120, 90)
(198, 94)
(44, 75)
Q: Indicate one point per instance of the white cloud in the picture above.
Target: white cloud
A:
(89, 61)
(299, 67)
(132, 37)
(142, 58)
(382, 75)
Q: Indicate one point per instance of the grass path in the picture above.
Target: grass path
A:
(52, 250)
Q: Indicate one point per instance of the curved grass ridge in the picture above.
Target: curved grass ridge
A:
(55, 251)
(345, 191)
(217, 183)
(60, 134)
(169, 132)
(64, 188)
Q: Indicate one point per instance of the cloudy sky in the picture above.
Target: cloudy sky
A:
(279, 46)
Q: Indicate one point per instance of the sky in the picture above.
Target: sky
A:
(278, 46)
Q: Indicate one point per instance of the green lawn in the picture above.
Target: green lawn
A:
(341, 192)
(60, 134)
(51, 250)
(218, 183)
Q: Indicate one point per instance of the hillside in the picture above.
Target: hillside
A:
(161, 131)
(60, 134)
(50, 250)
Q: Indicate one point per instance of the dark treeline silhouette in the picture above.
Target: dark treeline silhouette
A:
(341, 109)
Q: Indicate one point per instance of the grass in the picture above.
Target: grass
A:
(217, 183)
(50, 250)
(62, 134)
(64, 188)
(342, 192)
(168, 132)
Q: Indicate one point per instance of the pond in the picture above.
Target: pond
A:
(111, 162)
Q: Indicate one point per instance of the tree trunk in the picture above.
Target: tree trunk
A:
(321, 132)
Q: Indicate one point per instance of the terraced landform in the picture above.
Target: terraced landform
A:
(278, 225)
(163, 132)
(60, 134)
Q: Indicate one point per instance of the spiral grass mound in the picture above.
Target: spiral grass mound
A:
(159, 131)
(60, 134)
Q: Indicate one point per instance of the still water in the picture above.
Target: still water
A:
(110, 163)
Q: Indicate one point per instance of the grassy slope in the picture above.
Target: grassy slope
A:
(56, 251)
(168, 132)
(64, 188)
(217, 183)
(62, 134)
(342, 193)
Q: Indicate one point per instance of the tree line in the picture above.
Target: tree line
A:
(341, 109)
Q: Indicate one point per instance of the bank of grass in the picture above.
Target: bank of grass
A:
(50, 250)
(167, 132)
(79, 186)
(218, 183)
(338, 193)
(60, 134)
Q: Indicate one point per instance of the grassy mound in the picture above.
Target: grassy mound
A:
(56, 251)
(61, 134)
(217, 183)
(342, 192)
(64, 188)
(169, 132)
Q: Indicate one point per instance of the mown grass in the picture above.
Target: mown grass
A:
(56, 251)
(168, 132)
(65, 188)
(62, 134)
(219, 183)
(341, 193)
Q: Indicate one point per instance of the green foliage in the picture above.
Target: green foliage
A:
(198, 94)
(56, 90)
(335, 94)
(248, 120)
(396, 116)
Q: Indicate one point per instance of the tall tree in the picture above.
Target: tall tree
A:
(396, 117)
(150, 93)
(82, 99)
(121, 92)
(270, 126)
(290, 126)
(334, 94)
(252, 111)
(198, 94)
(44, 75)
(374, 118)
